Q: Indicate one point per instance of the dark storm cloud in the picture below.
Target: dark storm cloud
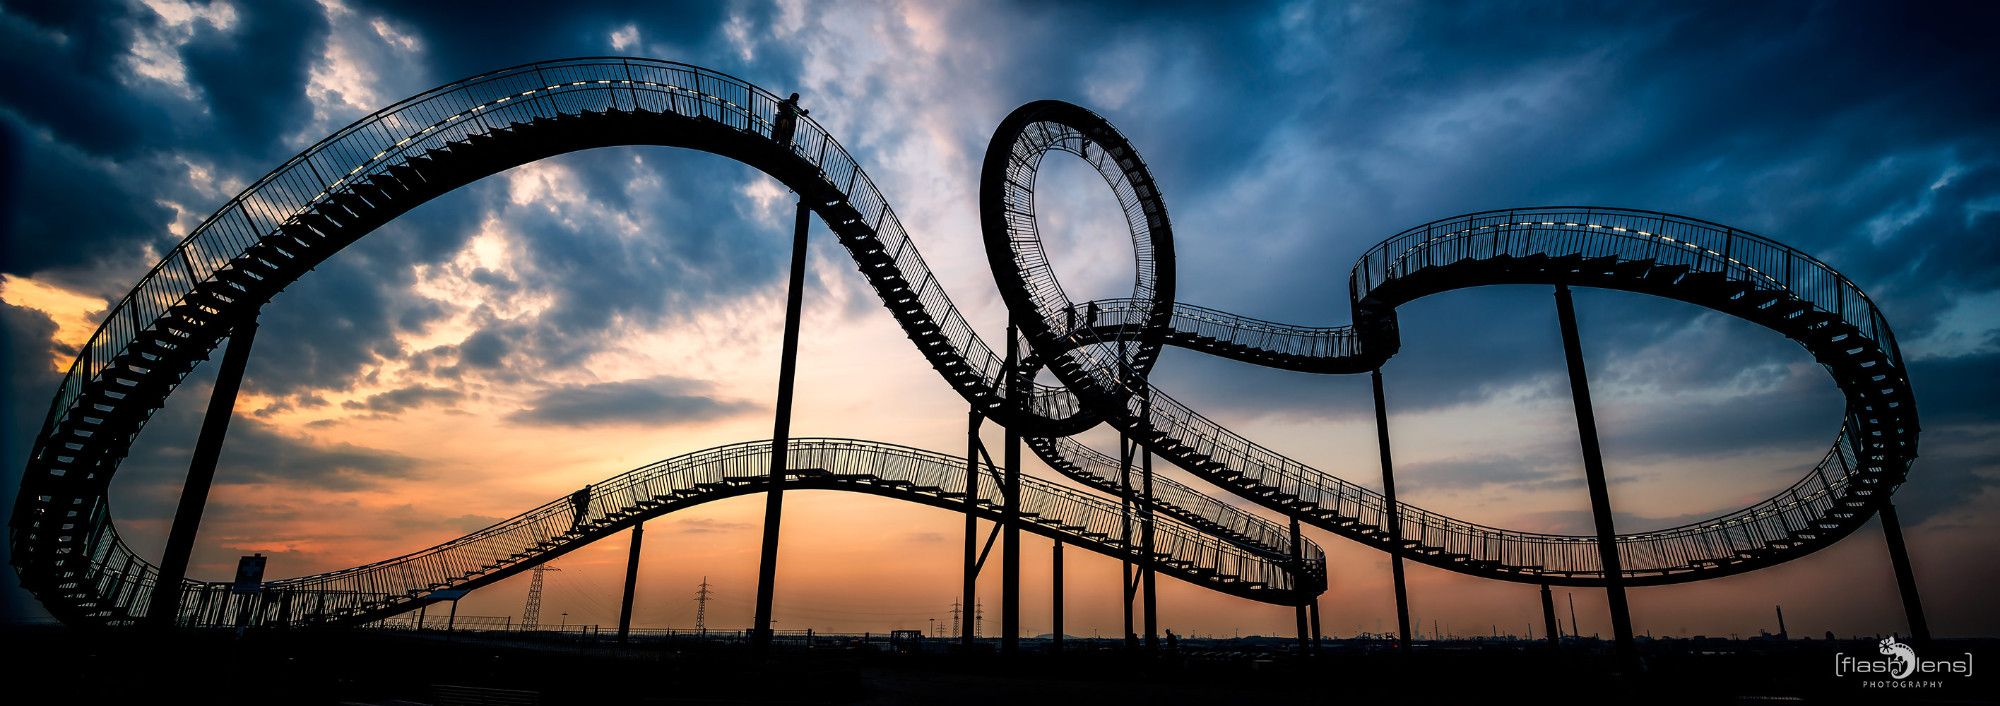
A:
(404, 398)
(25, 383)
(691, 245)
(68, 56)
(1513, 472)
(659, 400)
(244, 74)
(463, 43)
(69, 75)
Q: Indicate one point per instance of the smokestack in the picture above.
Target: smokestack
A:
(1781, 624)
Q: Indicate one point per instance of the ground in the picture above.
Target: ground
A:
(52, 664)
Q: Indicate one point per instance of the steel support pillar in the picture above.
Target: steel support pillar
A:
(1299, 617)
(631, 583)
(1314, 612)
(781, 434)
(1593, 468)
(165, 604)
(1125, 451)
(1549, 618)
(1010, 513)
(1148, 597)
(1392, 513)
(971, 587)
(451, 621)
(1906, 581)
(1056, 600)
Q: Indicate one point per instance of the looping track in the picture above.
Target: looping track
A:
(68, 552)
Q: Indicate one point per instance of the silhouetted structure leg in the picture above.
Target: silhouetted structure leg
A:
(1549, 618)
(781, 434)
(1149, 599)
(1906, 581)
(1126, 448)
(1298, 578)
(1395, 515)
(1314, 612)
(631, 583)
(971, 588)
(166, 601)
(1056, 600)
(1010, 550)
(1593, 468)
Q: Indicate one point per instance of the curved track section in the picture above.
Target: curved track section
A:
(1721, 268)
(64, 544)
(385, 588)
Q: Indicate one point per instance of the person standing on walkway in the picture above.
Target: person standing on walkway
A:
(787, 122)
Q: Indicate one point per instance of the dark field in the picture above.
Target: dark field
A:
(57, 665)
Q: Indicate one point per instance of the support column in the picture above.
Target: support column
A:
(451, 621)
(1549, 618)
(1906, 581)
(1149, 599)
(1392, 513)
(1010, 514)
(165, 605)
(1125, 450)
(1056, 599)
(1593, 468)
(781, 435)
(1298, 579)
(1315, 624)
(631, 583)
(971, 587)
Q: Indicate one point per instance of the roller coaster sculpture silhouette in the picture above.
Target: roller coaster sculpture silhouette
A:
(211, 286)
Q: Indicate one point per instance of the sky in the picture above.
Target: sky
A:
(572, 318)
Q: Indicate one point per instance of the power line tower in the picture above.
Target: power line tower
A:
(701, 608)
(954, 618)
(978, 619)
(531, 615)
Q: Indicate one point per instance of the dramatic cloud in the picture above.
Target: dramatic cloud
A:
(660, 400)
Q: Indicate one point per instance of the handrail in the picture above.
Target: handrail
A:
(376, 589)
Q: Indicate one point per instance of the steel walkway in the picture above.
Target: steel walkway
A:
(66, 549)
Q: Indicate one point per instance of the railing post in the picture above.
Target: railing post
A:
(631, 583)
(1392, 514)
(1906, 581)
(781, 433)
(1593, 468)
(164, 609)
